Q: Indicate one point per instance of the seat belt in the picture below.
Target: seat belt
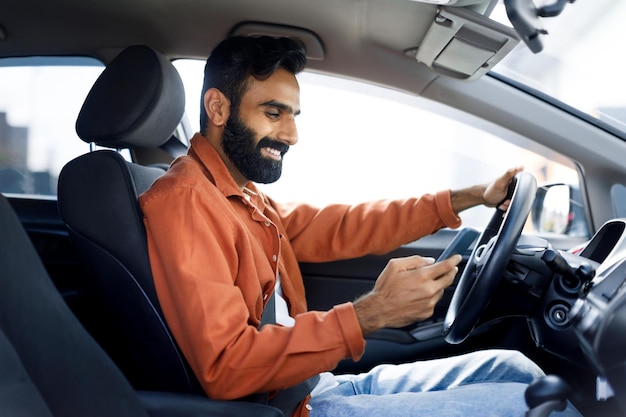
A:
(174, 147)
(287, 400)
(268, 316)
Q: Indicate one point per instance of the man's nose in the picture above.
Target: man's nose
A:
(288, 133)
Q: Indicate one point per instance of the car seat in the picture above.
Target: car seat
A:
(51, 366)
(137, 102)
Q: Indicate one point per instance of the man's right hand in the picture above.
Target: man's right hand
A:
(405, 292)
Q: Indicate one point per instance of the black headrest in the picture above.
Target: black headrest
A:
(138, 101)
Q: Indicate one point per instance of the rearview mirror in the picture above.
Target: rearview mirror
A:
(525, 18)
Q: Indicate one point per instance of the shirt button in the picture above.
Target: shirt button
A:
(274, 258)
(308, 407)
(264, 297)
(268, 224)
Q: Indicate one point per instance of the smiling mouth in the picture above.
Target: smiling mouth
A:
(273, 153)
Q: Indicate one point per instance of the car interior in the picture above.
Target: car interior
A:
(82, 332)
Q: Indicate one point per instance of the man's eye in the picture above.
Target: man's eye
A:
(272, 115)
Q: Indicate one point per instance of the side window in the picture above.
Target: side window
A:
(39, 101)
(359, 142)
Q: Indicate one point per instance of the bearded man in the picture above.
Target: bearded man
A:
(225, 263)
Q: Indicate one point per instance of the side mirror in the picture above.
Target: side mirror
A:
(558, 209)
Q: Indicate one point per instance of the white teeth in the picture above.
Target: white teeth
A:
(273, 151)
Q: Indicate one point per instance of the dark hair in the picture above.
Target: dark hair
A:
(238, 57)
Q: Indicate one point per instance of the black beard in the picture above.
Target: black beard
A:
(238, 144)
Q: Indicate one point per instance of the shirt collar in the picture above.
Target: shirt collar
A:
(208, 156)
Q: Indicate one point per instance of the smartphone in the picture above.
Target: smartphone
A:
(461, 242)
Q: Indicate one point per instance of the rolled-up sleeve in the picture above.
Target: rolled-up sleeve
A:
(444, 208)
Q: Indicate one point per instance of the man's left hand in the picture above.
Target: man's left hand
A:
(496, 191)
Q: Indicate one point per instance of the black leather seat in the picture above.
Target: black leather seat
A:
(50, 365)
(138, 101)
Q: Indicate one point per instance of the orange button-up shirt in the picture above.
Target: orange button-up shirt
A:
(216, 252)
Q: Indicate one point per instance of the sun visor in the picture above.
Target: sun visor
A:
(463, 44)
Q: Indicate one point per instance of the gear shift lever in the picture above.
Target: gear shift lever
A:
(545, 395)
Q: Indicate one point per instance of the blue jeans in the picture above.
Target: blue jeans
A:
(481, 384)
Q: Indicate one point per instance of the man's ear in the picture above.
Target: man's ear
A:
(217, 107)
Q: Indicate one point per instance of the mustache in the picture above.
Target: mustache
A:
(267, 142)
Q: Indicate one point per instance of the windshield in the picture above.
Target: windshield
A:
(581, 61)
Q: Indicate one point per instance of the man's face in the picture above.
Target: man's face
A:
(247, 154)
(257, 136)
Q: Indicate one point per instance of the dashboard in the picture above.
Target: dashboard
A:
(598, 316)
(576, 302)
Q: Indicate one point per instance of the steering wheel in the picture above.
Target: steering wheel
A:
(488, 260)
